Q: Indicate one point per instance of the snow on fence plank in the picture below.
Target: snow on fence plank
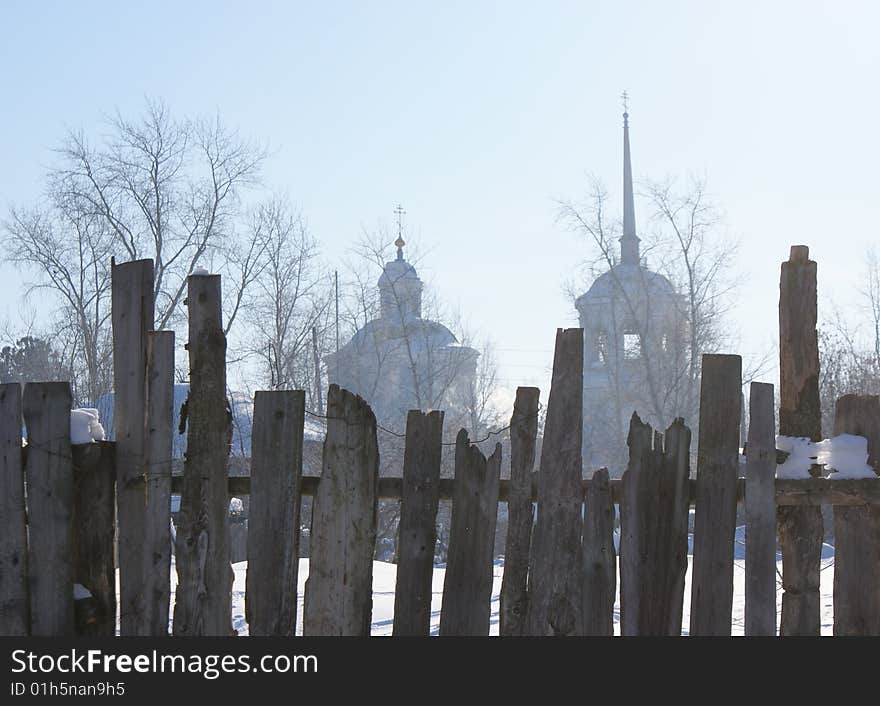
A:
(132, 318)
(760, 508)
(800, 530)
(555, 574)
(857, 530)
(599, 560)
(715, 507)
(94, 533)
(417, 530)
(204, 588)
(157, 463)
(513, 613)
(13, 531)
(467, 589)
(654, 526)
(273, 525)
(338, 592)
(49, 478)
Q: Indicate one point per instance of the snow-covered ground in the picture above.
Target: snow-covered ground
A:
(384, 576)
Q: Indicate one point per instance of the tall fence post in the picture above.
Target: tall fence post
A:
(555, 573)
(760, 507)
(13, 528)
(857, 530)
(94, 534)
(273, 531)
(654, 524)
(800, 529)
(339, 590)
(514, 601)
(132, 317)
(49, 478)
(467, 589)
(157, 464)
(599, 562)
(417, 529)
(203, 604)
(715, 505)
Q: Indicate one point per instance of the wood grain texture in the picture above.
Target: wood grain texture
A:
(14, 605)
(514, 601)
(715, 506)
(338, 593)
(555, 572)
(157, 464)
(94, 534)
(132, 318)
(654, 530)
(800, 530)
(760, 508)
(49, 482)
(857, 530)
(467, 588)
(274, 524)
(599, 557)
(203, 603)
(417, 531)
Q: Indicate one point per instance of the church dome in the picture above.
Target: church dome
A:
(627, 279)
(396, 272)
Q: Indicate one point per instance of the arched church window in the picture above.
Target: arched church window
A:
(632, 346)
(602, 347)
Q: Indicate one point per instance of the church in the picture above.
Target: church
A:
(634, 339)
(401, 360)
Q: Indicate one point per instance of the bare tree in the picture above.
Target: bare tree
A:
(69, 251)
(289, 304)
(154, 187)
(849, 357)
(165, 188)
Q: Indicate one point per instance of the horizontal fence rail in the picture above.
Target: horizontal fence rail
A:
(810, 491)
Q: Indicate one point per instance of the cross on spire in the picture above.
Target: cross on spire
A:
(625, 98)
(400, 242)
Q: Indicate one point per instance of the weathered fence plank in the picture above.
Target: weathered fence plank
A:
(14, 609)
(715, 507)
(760, 507)
(514, 601)
(555, 573)
(417, 530)
(49, 479)
(273, 527)
(157, 464)
(800, 530)
(599, 557)
(94, 533)
(203, 604)
(857, 530)
(467, 589)
(132, 318)
(654, 526)
(338, 594)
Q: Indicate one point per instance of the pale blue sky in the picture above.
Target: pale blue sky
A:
(477, 116)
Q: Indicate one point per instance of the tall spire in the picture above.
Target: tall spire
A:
(629, 243)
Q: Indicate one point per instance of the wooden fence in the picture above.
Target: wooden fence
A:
(58, 524)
